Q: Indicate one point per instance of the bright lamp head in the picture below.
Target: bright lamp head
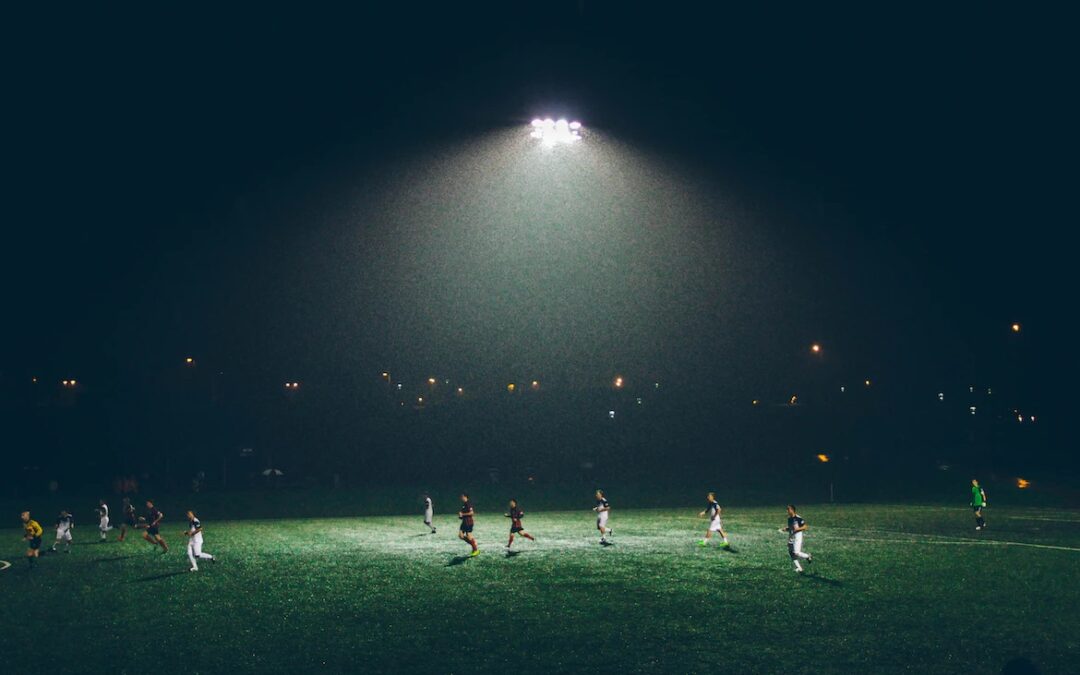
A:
(555, 132)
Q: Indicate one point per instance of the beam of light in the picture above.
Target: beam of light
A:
(555, 132)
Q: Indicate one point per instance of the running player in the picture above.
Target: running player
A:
(429, 511)
(103, 518)
(467, 515)
(32, 534)
(795, 528)
(716, 524)
(515, 516)
(64, 525)
(195, 540)
(602, 509)
(130, 519)
(153, 527)
(978, 503)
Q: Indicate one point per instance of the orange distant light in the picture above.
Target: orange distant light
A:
(1022, 483)
(823, 458)
(189, 360)
(385, 375)
(431, 380)
(1016, 328)
(618, 382)
(511, 387)
(754, 402)
(793, 400)
(536, 384)
(816, 348)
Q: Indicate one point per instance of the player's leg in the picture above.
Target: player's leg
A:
(164, 546)
(197, 545)
(191, 557)
(123, 531)
(527, 535)
(511, 542)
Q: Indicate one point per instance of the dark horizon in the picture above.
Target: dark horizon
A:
(322, 198)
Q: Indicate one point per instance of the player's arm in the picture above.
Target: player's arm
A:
(986, 502)
(801, 528)
(157, 520)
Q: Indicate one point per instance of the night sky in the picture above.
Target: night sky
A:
(310, 195)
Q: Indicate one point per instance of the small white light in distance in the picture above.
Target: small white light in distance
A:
(555, 132)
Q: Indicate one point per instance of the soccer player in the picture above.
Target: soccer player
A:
(32, 534)
(130, 519)
(795, 528)
(195, 541)
(467, 515)
(64, 525)
(103, 518)
(716, 524)
(602, 509)
(153, 527)
(515, 516)
(429, 511)
(978, 502)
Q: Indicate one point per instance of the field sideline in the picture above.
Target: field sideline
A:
(892, 589)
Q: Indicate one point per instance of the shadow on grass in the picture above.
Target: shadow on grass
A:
(814, 576)
(113, 559)
(166, 575)
(457, 560)
(512, 554)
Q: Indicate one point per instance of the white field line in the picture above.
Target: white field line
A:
(910, 539)
(1056, 520)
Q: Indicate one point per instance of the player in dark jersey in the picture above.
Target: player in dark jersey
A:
(716, 523)
(32, 534)
(515, 515)
(65, 523)
(602, 509)
(153, 527)
(795, 528)
(467, 516)
(130, 518)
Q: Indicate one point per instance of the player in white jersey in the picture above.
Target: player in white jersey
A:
(195, 541)
(64, 525)
(716, 523)
(103, 518)
(429, 512)
(602, 509)
(795, 528)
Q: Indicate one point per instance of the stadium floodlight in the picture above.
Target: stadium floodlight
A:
(555, 132)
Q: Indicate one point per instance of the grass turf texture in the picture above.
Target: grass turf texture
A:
(892, 589)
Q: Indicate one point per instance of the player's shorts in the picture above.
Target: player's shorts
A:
(131, 521)
(601, 520)
(153, 530)
(466, 528)
(63, 535)
(977, 507)
(716, 525)
(514, 529)
(103, 523)
(35, 543)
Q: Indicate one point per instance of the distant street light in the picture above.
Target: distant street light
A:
(386, 375)
(190, 361)
(815, 348)
(823, 458)
(866, 382)
(535, 385)
(292, 386)
(555, 132)
(618, 382)
(511, 387)
(1016, 328)
(431, 381)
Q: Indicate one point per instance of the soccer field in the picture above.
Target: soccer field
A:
(891, 589)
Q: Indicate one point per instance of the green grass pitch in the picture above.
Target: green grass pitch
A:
(892, 589)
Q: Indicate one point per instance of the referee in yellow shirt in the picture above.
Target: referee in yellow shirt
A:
(32, 534)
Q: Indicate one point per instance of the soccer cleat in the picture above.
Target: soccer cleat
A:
(703, 543)
(809, 557)
(724, 543)
(474, 553)
(977, 528)
(193, 569)
(798, 570)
